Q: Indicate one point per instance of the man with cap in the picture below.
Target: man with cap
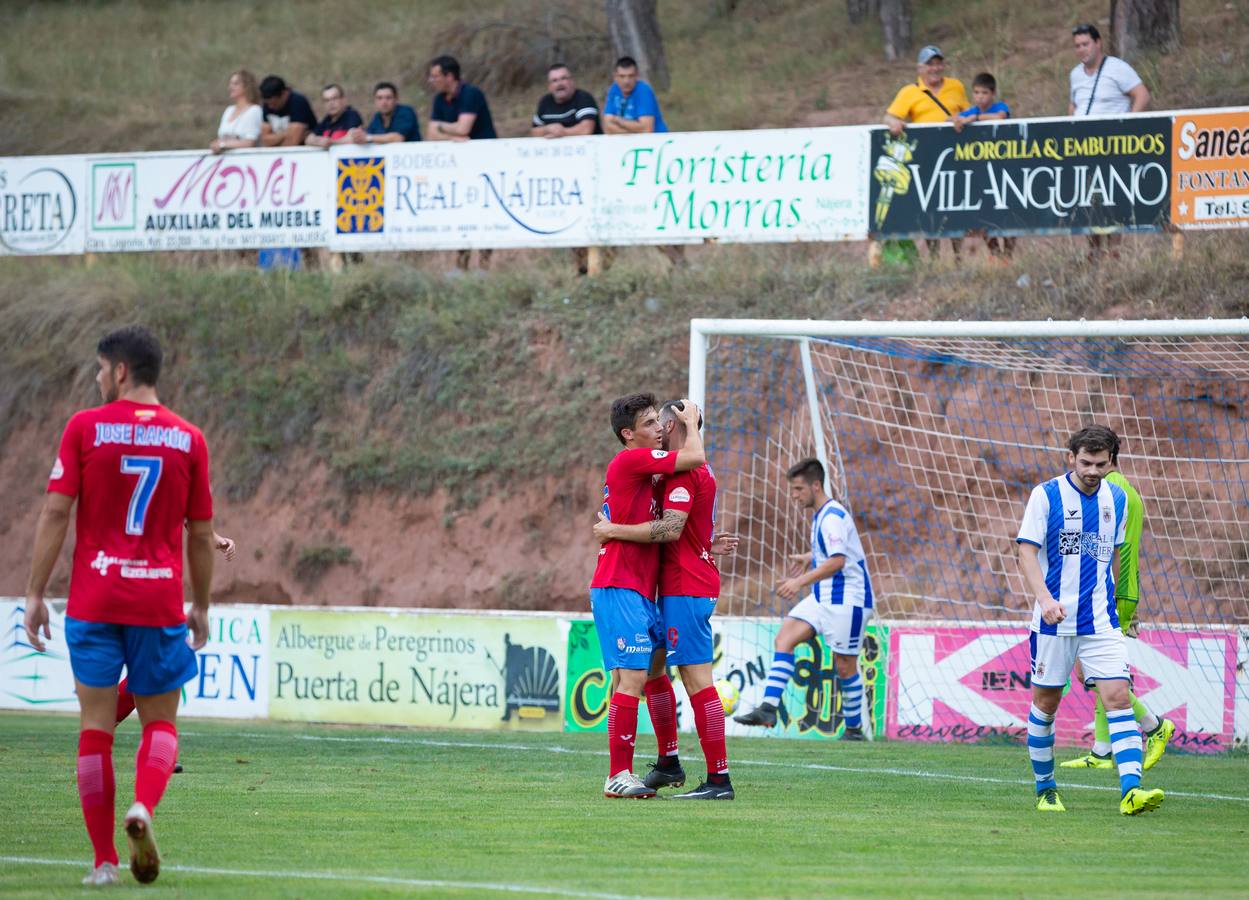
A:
(931, 98)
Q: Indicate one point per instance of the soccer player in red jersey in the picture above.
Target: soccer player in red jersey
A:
(689, 584)
(138, 472)
(622, 593)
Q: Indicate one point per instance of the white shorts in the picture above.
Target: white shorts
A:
(841, 625)
(1102, 656)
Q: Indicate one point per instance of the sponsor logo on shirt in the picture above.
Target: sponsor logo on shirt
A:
(58, 470)
(1088, 543)
(659, 454)
(680, 495)
(129, 568)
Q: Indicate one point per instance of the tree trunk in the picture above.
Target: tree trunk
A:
(860, 10)
(895, 19)
(1140, 25)
(634, 29)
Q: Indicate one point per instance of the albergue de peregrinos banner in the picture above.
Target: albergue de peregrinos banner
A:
(1069, 176)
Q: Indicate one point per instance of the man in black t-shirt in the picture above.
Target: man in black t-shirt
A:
(339, 119)
(565, 111)
(460, 109)
(288, 115)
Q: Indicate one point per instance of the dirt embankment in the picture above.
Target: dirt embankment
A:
(301, 541)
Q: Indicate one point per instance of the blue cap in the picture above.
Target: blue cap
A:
(929, 52)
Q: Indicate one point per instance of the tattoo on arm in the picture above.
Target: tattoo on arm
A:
(668, 528)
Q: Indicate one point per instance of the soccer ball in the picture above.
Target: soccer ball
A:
(728, 695)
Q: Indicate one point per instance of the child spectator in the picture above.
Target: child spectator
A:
(985, 105)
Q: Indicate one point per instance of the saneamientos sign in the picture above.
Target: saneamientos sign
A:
(201, 201)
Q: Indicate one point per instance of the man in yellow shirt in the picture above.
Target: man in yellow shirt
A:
(932, 98)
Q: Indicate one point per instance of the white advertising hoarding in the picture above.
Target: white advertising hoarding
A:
(41, 205)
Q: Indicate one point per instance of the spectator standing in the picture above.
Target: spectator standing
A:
(241, 120)
(460, 113)
(288, 114)
(393, 122)
(631, 106)
(1102, 85)
(566, 110)
(340, 119)
(932, 98)
(985, 108)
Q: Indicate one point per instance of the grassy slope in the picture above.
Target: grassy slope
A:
(461, 807)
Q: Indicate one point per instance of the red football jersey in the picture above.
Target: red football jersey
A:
(139, 472)
(629, 498)
(687, 568)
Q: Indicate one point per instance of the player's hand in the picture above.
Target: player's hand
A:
(798, 563)
(788, 589)
(224, 545)
(35, 621)
(1051, 612)
(1133, 629)
(602, 529)
(687, 411)
(197, 624)
(725, 545)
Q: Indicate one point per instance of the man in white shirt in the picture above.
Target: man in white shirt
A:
(1102, 85)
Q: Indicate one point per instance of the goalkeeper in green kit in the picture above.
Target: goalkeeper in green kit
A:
(1127, 593)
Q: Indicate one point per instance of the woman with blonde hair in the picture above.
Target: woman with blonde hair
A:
(240, 123)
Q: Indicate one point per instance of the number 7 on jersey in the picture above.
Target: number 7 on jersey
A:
(148, 469)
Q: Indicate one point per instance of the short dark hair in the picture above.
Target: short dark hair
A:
(334, 86)
(1090, 30)
(138, 348)
(558, 65)
(668, 410)
(624, 412)
(810, 470)
(626, 62)
(985, 80)
(448, 64)
(1095, 439)
(386, 86)
(272, 86)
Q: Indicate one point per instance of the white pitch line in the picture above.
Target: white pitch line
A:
(858, 770)
(357, 879)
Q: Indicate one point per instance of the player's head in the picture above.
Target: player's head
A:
(671, 423)
(129, 357)
(1091, 454)
(635, 420)
(806, 482)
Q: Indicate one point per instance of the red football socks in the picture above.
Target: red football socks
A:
(709, 720)
(154, 764)
(125, 700)
(98, 791)
(661, 702)
(622, 726)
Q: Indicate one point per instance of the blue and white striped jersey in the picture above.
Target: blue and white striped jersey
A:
(833, 534)
(1077, 534)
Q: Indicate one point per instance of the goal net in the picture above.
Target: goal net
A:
(933, 435)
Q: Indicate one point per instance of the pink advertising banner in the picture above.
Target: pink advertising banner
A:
(968, 683)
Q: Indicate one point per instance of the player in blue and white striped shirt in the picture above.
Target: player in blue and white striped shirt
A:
(1069, 556)
(838, 607)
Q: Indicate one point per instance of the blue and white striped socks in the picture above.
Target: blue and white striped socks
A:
(852, 700)
(778, 677)
(1125, 744)
(1041, 748)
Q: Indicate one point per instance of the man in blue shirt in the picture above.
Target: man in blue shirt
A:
(393, 122)
(460, 110)
(631, 106)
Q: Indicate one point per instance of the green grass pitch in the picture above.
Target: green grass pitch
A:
(309, 811)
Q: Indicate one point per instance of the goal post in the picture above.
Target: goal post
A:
(932, 435)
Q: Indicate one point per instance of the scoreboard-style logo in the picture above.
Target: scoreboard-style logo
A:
(361, 206)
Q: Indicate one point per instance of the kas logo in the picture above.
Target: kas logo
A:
(114, 189)
(680, 495)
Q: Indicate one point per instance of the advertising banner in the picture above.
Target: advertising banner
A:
(1210, 170)
(451, 196)
(409, 668)
(231, 682)
(202, 201)
(41, 205)
(800, 184)
(1020, 177)
(965, 683)
(742, 655)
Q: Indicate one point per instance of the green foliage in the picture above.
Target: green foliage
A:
(334, 807)
(313, 562)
